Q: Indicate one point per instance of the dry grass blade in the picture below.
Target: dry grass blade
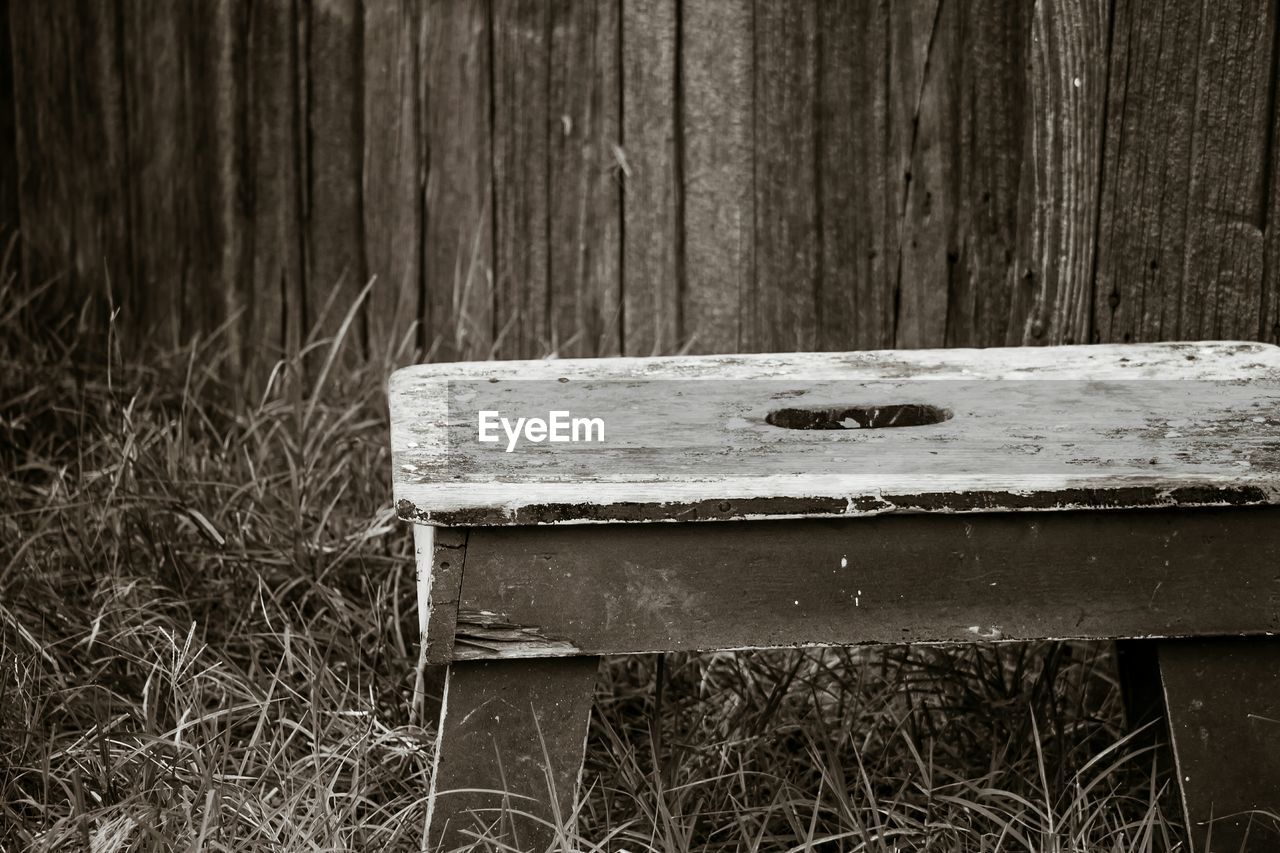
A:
(204, 606)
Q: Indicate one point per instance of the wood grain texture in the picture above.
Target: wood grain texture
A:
(920, 122)
(1001, 576)
(154, 59)
(1226, 197)
(458, 144)
(216, 136)
(1269, 319)
(780, 313)
(392, 172)
(1180, 252)
(509, 730)
(442, 557)
(186, 160)
(859, 184)
(812, 175)
(521, 182)
(276, 120)
(689, 438)
(717, 66)
(9, 206)
(73, 159)
(958, 93)
(1051, 281)
(585, 181)
(1223, 715)
(652, 215)
(336, 267)
(991, 46)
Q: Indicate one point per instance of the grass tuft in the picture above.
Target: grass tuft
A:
(207, 642)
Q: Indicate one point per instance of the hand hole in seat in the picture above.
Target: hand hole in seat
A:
(859, 417)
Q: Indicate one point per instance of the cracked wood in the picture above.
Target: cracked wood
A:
(1198, 425)
(609, 589)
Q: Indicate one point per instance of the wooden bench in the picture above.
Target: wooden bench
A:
(941, 496)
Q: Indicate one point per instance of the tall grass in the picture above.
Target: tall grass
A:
(207, 643)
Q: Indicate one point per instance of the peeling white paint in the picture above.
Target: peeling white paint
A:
(928, 469)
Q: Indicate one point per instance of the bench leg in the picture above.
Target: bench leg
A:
(518, 726)
(1223, 699)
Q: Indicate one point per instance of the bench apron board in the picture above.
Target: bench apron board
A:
(1128, 493)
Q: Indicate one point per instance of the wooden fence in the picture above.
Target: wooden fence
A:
(640, 176)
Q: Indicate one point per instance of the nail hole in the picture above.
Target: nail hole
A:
(859, 417)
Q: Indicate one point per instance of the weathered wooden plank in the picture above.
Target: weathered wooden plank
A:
(521, 128)
(705, 437)
(393, 159)
(185, 168)
(781, 309)
(919, 145)
(1225, 721)
(652, 213)
(458, 246)
(9, 207)
(162, 173)
(217, 223)
(1180, 243)
(1269, 319)
(958, 93)
(336, 267)
(991, 42)
(513, 733)
(857, 193)
(440, 557)
(73, 159)
(585, 186)
(1226, 195)
(1051, 281)
(275, 116)
(609, 589)
(717, 67)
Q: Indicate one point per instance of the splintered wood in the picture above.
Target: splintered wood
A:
(809, 435)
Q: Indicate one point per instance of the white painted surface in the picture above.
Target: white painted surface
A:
(1199, 424)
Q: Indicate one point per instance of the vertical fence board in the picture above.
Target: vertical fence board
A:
(183, 99)
(957, 88)
(1269, 319)
(858, 190)
(584, 188)
(458, 206)
(652, 226)
(752, 176)
(1180, 248)
(9, 220)
(521, 55)
(782, 304)
(160, 187)
(72, 150)
(392, 171)
(918, 80)
(717, 62)
(275, 120)
(333, 147)
(1051, 282)
(989, 68)
(1222, 264)
(216, 220)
